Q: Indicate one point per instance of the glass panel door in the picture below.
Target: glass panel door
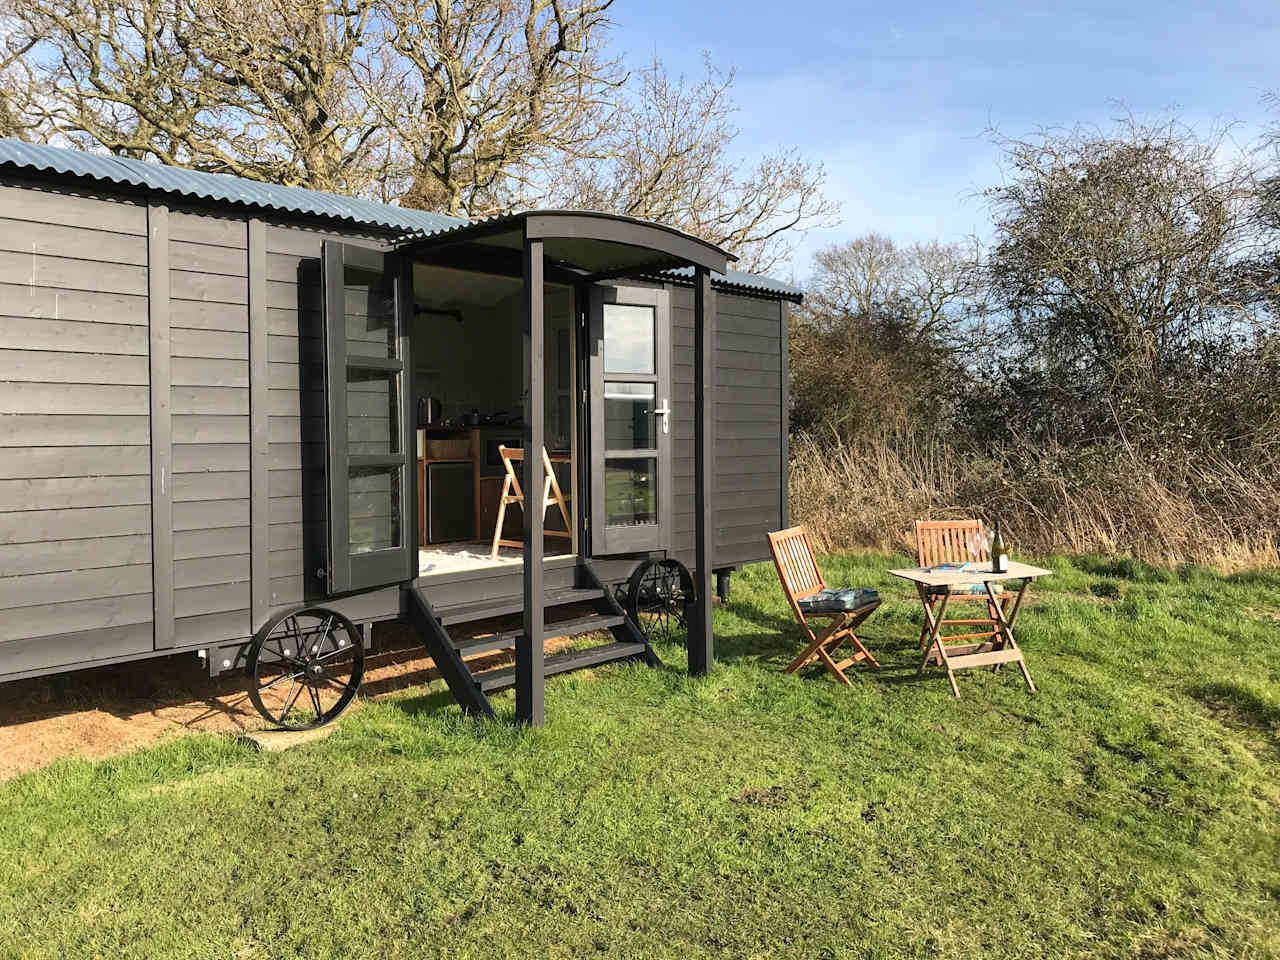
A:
(630, 362)
(370, 503)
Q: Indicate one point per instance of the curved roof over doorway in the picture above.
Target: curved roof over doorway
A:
(598, 244)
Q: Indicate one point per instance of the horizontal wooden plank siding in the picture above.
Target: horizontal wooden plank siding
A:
(209, 344)
(749, 425)
(75, 432)
(66, 207)
(70, 273)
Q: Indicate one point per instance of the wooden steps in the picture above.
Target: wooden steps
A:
(503, 678)
(472, 690)
(483, 609)
(562, 628)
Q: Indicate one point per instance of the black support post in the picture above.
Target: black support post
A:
(722, 584)
(530, 668)
(701, 637)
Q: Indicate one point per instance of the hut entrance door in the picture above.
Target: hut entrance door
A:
(369, 480)
(630, 367)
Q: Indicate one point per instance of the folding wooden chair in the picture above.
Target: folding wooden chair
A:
(512, 493)
(801, 579)
(948, 541)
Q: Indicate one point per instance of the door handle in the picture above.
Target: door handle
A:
(664, 411)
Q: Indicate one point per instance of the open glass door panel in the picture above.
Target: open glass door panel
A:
(368, 427)
(630, 420)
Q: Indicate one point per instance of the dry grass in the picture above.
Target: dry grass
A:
(1176, 510)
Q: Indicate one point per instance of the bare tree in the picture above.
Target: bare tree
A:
(255, 88)
(1269, 178)
(901, 317)
(1116, 271)
(1260, 273)
(668, 155)
(857, 277)
(1112, 251)
(927, 288)
(473, 107)
(476, 93)
(17, 80)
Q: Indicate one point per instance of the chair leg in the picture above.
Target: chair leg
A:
(824, 645)
(809, 652)
(833, 667)
(853, 639)
(837, 627)
(502, 515)
(997, 638)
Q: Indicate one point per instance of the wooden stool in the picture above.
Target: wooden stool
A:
(512, 493)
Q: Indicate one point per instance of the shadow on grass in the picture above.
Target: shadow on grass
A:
(757, 647)
(781, 641)
(428, 703)
(774, 645)
(1256, 578)
(1125, 568)
(1239, 707)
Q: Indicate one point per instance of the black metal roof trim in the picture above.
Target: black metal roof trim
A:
(736, 280)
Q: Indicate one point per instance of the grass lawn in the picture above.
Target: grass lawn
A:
(1130, 809)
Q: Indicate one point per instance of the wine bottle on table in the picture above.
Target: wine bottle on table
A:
(999, 556)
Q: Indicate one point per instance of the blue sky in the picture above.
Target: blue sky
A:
(894, 98)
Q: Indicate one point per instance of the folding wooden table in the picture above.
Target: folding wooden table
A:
(930, 583)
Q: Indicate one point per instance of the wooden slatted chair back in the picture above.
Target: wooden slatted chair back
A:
(797, 566)
(947, 541)
(509, 455)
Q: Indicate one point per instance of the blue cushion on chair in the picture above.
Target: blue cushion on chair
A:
(839, 601)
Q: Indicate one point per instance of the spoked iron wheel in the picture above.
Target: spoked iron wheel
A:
(305, 668)
(659, 595)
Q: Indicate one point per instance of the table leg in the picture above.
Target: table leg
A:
(930, 629)
(934, 621)
(1005, 623)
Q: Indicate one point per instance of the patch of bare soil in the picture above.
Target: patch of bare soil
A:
(107, 710)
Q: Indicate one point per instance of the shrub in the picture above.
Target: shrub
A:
(1103, 499)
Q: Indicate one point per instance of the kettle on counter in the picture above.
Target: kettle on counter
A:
(429, 410)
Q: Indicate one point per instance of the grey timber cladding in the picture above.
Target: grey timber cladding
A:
(749, 405)
(136, 336)
(75, 459)
(209, 389)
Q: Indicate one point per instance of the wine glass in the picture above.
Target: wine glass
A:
(977, 543)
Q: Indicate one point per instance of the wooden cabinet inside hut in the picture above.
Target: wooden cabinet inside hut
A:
(460, 480)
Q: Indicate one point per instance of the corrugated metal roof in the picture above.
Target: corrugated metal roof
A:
(219, 187)
(745, 281)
